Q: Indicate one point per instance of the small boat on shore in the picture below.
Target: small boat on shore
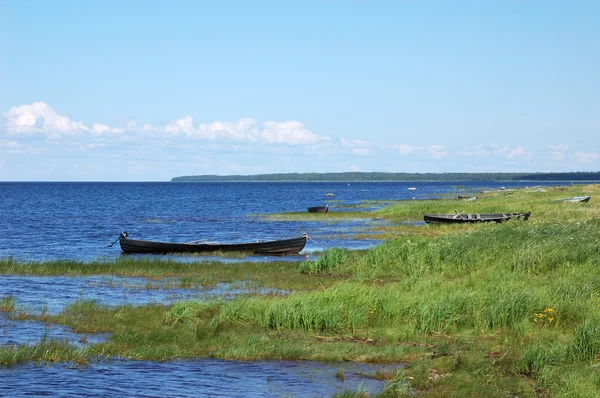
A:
(280, 247)
(318, 209)
(473, 218)
(583, 199)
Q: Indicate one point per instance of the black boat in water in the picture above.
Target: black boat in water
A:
(473, 218)
(318, 209)
(272, 248)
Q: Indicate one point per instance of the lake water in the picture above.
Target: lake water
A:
(49, 221)
(191, 378)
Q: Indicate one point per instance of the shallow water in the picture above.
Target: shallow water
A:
(13, 333)
(50, 294)
(190, 378)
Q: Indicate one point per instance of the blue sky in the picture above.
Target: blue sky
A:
(150, 90)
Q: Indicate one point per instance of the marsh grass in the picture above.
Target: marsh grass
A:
(329, 261)
(7, 304)
(459, 302)
(276, 274)
(47, 350)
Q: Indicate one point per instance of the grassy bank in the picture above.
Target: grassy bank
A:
(508, 309)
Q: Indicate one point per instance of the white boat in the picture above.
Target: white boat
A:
(574, 199)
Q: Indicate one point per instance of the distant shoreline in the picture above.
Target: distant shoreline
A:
(395, 177)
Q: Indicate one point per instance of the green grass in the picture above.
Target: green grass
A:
(274, 274)
(509, 309)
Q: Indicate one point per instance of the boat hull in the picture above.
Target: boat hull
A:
(273, 248)
(581, 199)
(318, 209)
(473, 218)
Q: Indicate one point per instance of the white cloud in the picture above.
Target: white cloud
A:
(291, 133)
(437, 151)
(99, 129)
(403, 149)
(505, 151)
(518, 151)
(184, 125)
(244, 130)
(558, 152)
(586, 157)
(40, 118)
(354, 143)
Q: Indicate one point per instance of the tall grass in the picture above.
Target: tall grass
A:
(329, 261)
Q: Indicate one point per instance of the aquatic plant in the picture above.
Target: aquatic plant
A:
(7, 304)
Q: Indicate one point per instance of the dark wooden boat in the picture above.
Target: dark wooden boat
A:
(583, 199)
(272, 248)
(318, 209)
(473, 218)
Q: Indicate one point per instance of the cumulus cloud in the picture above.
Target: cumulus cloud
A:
(291, 133)
(40, 118)
(244, 130)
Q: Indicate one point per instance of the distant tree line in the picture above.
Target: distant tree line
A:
(379, 176)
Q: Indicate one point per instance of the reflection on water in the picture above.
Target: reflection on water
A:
(191, 378)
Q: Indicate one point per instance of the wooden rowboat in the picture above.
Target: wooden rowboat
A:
(318, 209)
(583, 199)
(271, 248)
(473, 218)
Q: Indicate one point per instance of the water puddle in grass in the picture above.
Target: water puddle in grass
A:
(19, 332)
(193, 378)
(50, 294)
